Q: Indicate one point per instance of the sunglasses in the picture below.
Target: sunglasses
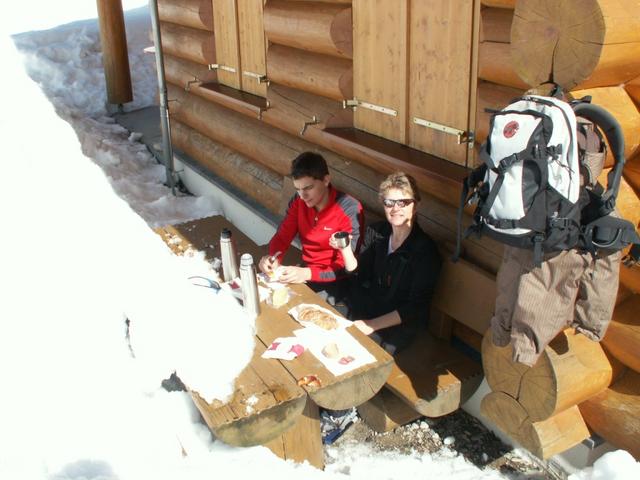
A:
(401, 202)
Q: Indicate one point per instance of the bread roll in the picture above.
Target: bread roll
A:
(318, 317)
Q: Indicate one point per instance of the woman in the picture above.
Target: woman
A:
(396, 272)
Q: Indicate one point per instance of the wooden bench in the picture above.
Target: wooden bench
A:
(431, 378)
(268, 406)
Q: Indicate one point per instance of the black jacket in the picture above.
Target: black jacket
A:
(403, 280)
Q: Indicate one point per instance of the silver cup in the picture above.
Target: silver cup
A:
(342, 239)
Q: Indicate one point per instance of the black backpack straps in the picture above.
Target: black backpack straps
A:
(468, 185)
(537, 249)
(613, 132)
(502, 167)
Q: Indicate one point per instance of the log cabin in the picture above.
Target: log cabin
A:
(377, 86)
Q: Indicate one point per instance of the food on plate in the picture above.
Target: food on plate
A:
(346, 360)
(331, 350)
(309, 381)
(317, 317)
(279, 296)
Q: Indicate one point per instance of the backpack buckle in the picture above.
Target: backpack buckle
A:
(561, 222)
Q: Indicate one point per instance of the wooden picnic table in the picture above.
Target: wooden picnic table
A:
(268, 406)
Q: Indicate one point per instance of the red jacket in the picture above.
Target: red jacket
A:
(342, 212)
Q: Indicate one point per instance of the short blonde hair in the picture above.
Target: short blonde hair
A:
(399, 181)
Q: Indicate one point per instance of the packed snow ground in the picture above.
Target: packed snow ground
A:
(79, 197)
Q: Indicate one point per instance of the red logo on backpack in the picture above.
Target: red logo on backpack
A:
(510, 129)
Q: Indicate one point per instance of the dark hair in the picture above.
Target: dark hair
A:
(309, 164)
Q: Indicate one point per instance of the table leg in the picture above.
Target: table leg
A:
(303, 441)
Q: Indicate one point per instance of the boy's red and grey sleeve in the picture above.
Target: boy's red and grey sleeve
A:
(354, 219)
(351, 219)
(287, 230)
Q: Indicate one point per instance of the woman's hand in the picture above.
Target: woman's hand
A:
(294, 274)
(333, 242)
(363, 326)
(350, 261)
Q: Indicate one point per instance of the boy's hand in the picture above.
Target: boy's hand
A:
(294, 274)
(269, 263)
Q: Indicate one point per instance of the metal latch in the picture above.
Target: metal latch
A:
(217, 66)
(261, 78)
(314, 121)
(462, 135)
(370, 106)
(187, 86)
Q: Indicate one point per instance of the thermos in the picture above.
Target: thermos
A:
(248, 281)
(228, 254)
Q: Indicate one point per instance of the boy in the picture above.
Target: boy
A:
(315, 213)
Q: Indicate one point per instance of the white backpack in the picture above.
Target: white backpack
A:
(528, 188)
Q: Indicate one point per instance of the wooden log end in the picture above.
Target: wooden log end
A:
(543, 439)
(502, 373)
(256, 429)
(549, 45)
(571, 369)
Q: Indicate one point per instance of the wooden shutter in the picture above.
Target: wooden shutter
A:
(225, 25)
(380, 66)
(252, 45)
(443, 75)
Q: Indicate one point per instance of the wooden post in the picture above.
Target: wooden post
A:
(115, 56)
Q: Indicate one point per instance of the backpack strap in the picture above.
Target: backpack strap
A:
(469, 190)
(502, 167)
(610, 233)
(613, 132)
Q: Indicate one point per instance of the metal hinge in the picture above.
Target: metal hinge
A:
(354, 103)
(217, 66)
(462, 135)
(261, 78)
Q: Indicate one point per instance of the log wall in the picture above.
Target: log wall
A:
(189, 13)
(310, 59)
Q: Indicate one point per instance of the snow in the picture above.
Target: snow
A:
(80, 196)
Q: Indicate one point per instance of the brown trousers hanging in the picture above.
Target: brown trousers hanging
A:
(533, 305)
